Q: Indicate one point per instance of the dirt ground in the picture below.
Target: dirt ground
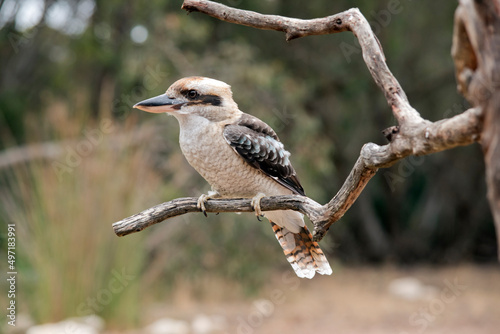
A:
(369, 300)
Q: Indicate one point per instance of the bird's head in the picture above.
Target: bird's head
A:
(199, 96)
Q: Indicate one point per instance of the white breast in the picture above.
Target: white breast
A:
(203, 144)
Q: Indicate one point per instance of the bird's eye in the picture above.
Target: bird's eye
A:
(192, 94)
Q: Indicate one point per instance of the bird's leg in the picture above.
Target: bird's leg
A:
(204, 198)
(256, 205)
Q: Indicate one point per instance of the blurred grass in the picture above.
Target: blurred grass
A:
(68, 251)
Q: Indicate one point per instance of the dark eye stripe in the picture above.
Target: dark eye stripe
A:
(211, 99)
(206, 99)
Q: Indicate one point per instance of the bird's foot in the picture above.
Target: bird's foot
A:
(203, 199)
(256, 205)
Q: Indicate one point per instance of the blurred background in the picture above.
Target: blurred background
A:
(75, 157)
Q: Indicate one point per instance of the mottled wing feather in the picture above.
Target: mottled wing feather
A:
(257, 125)
(258, 144)
(304, 254)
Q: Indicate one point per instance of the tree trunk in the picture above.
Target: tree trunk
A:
(476, 52)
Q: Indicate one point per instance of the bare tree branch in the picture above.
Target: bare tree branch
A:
(294, 28)
(181, 206)
(412, 136)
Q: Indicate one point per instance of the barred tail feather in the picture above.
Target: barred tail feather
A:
(302, 252)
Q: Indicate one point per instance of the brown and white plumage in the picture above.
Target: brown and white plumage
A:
(240, 156)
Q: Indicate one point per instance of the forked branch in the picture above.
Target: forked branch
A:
(412, 136)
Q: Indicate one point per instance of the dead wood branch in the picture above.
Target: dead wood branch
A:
(412, 136)
(181, 206)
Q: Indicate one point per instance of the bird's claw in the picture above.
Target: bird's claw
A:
(201, 204)
(203, 199)
(256, 205)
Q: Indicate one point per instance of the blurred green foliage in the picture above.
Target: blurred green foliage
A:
(57, 84)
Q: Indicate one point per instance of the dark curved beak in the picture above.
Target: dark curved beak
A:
(159, 104)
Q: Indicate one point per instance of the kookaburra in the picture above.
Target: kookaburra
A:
(241, 157)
